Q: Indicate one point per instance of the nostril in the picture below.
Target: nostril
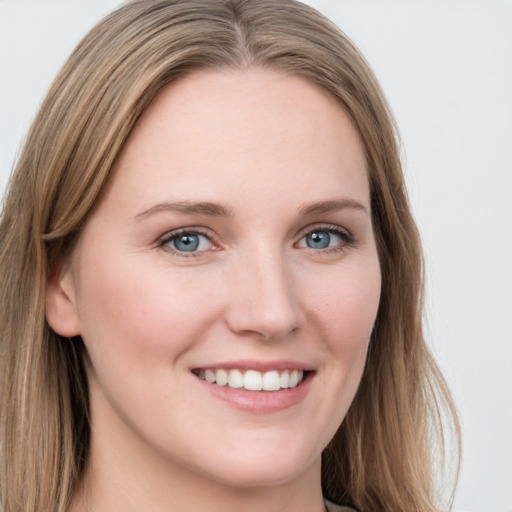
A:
(268, 326)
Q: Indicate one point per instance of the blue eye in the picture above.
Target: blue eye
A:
(318, 240)
(321, 239)
(187, 241)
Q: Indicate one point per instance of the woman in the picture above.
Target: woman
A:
(211, 279)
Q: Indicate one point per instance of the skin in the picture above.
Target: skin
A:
(264, 146)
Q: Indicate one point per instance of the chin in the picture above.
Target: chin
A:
(270, 474)
(263, 465)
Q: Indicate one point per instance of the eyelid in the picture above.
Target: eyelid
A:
(194, 230)
(345, 234)
(331, 228)
(347, 237)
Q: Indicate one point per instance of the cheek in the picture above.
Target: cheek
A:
(342, 310)
(131, 311)
(345, 306)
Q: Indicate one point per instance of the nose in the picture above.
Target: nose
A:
(263, 298)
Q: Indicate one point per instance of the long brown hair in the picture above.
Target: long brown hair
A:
(383, 456)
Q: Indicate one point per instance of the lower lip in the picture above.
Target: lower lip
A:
(261, 402)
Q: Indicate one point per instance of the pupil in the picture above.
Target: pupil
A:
(319, 240)
(187, 242)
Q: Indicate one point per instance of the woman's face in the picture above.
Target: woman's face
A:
(233, 243)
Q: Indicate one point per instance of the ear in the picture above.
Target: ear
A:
(61, 313)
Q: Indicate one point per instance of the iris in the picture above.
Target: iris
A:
(187, 242)
(318, 240)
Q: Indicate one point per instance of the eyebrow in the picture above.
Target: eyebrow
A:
(332, 206)
(188, 207)
(210, 209)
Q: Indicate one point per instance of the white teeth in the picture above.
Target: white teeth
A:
(271, 381)
(294, 378)
(253, 380)
(285, 379)
(221, 377)
(236, 379)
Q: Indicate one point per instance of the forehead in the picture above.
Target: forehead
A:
(253, 129)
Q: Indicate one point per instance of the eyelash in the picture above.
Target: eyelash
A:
(174, 235)
(347, 240)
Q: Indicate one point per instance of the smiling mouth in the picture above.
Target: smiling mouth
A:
(252, 380)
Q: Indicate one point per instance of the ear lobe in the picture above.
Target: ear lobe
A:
(61, 312)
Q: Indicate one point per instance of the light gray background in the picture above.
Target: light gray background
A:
(446, 68)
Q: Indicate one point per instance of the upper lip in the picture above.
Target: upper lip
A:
(258, 365)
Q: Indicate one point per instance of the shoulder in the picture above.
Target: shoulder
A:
(331, 507)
